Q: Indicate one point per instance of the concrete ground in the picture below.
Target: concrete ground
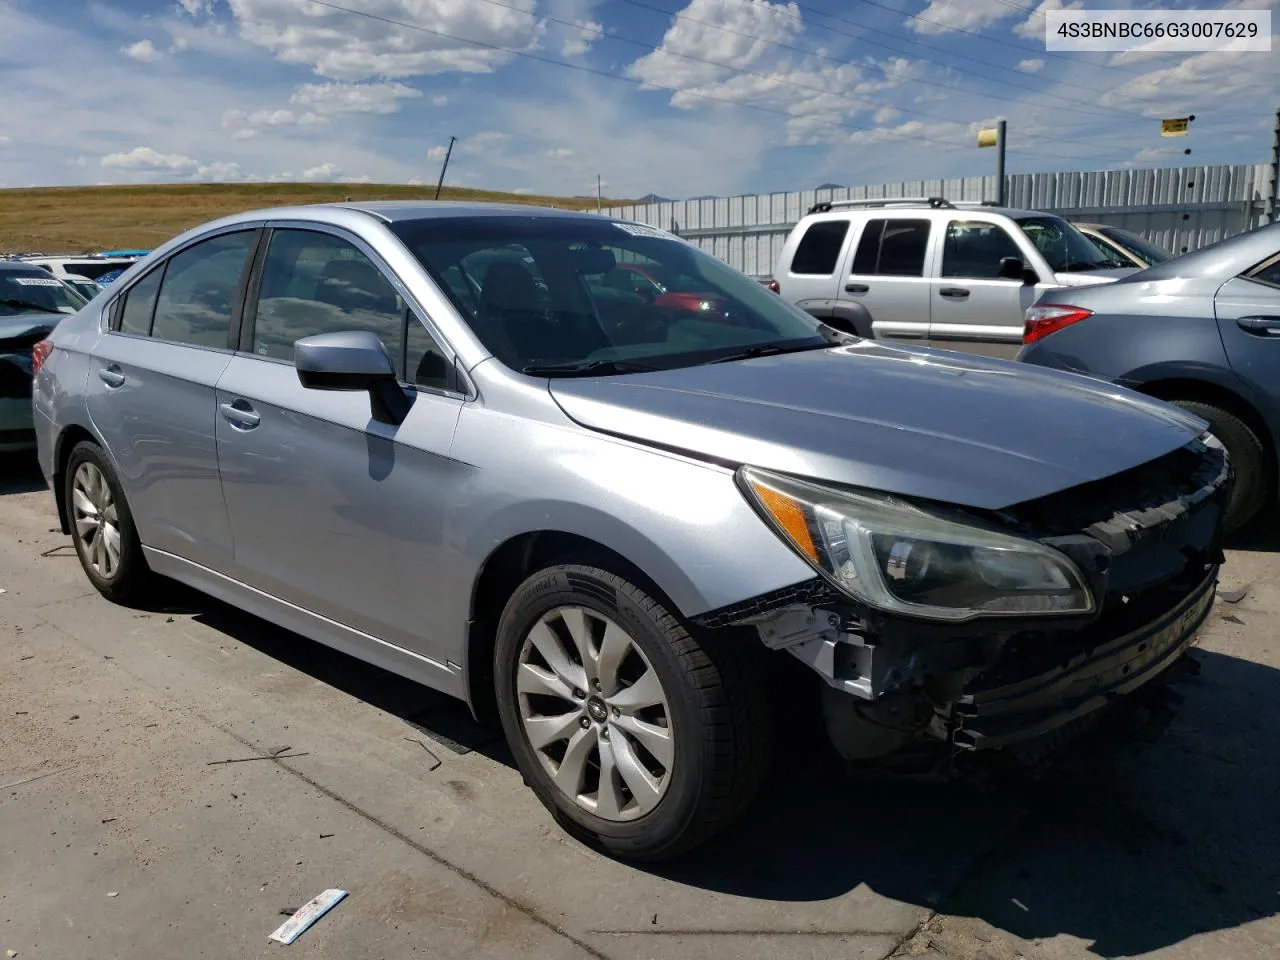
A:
(123, 831)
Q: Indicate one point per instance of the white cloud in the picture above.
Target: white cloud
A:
(1171, 90)
(197, 8)
(1033, 27)
(144, 51)
(440, 100)
(940, 15)
(524, 191)
(323, 171)
(1033, 65)
(331, 98)
(150, 163)
(342, 46)
(488, 140)
(560, 153)
(145, 158)
(579, 41)
(242, 125)
(754, 26)
(437, 153)
(886, 115)
(179, 44)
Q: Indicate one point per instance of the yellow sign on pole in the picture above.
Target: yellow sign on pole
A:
(1177, 127)
(988, 137)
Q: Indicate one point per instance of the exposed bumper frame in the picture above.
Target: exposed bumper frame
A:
(999, 716)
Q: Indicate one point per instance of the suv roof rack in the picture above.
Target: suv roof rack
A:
(934, 203)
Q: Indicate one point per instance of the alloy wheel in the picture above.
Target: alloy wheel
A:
(595, 713)
(97, 526)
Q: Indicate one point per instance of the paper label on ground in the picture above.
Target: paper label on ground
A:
(297, 925)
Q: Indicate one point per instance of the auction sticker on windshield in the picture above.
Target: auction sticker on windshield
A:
(37, 282)
(1157, 30)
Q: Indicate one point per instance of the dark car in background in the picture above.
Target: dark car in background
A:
(1125, 248)
(31, 304)
(1200, 330)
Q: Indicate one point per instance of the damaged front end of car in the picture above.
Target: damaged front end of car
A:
(942, 632)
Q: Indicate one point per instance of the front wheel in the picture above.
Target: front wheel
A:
(1252, 487)
(641, 739)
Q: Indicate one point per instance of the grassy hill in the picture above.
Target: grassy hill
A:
(85, 219)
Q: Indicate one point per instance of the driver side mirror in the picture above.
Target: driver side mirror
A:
(1015, 268)
(353, 360)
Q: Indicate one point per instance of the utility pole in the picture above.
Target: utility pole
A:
(1000, 138)
(445, 166)
(1270, 213)
(598, 194)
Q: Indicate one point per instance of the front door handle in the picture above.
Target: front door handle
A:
(954, 293)
(1263, 326)
(111, 376)
(239, 413)
(856, 288)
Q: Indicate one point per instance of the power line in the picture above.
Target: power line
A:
(971, 33)
(600, 33)
(582, 68)
(809, 51)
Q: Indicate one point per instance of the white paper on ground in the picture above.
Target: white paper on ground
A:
(297, 925)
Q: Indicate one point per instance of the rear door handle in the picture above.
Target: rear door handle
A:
(111, 376)
(856, 288)
(1265, 326)
(239, 413)
(955, 293)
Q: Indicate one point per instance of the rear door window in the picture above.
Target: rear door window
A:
(891, 247)
(199, 291)
(819, 248)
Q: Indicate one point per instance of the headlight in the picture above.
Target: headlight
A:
(897, 557)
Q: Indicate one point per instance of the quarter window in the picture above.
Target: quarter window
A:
(974, 249)
(1269, 273)
(892, 248)
(819, 248)
(198, 292)
(140, 304)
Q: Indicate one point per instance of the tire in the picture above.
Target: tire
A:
(1252, 484)
(119, 575)
(714, 731)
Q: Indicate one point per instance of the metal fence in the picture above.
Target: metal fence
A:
(1180, 208)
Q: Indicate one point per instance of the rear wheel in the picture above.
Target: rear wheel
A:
(641, 739)
(102, 527)
(1252, 486)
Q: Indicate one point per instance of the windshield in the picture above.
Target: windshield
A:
(34, 291)
(548, 292)
(1145, 249)
(1063, 247)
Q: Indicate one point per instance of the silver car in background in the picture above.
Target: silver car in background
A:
(422, 434)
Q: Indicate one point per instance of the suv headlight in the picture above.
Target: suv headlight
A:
(896, 557)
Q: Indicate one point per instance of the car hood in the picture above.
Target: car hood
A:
(911, 421)
(1087, 278)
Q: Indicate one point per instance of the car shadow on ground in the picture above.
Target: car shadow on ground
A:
(1133, 847)
(20, 473)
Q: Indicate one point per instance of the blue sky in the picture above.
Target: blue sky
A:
(677, 97)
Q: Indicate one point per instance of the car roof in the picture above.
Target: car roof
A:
(21, 266)
(910, 209)
(395, 211)
(1223, 259)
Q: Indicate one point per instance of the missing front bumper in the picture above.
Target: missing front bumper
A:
(998, 716)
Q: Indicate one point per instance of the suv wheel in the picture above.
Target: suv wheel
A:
(102, 526)
(641, 739)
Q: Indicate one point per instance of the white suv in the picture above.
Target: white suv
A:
(953, 275)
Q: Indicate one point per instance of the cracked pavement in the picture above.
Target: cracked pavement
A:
(120, 834)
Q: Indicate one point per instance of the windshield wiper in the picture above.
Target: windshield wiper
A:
(770, 350)
(1080, 266)
(27, 305)
(587, 368)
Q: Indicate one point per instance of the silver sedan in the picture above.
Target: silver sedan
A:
(455, 441)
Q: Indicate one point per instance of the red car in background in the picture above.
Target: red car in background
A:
(672, 292)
